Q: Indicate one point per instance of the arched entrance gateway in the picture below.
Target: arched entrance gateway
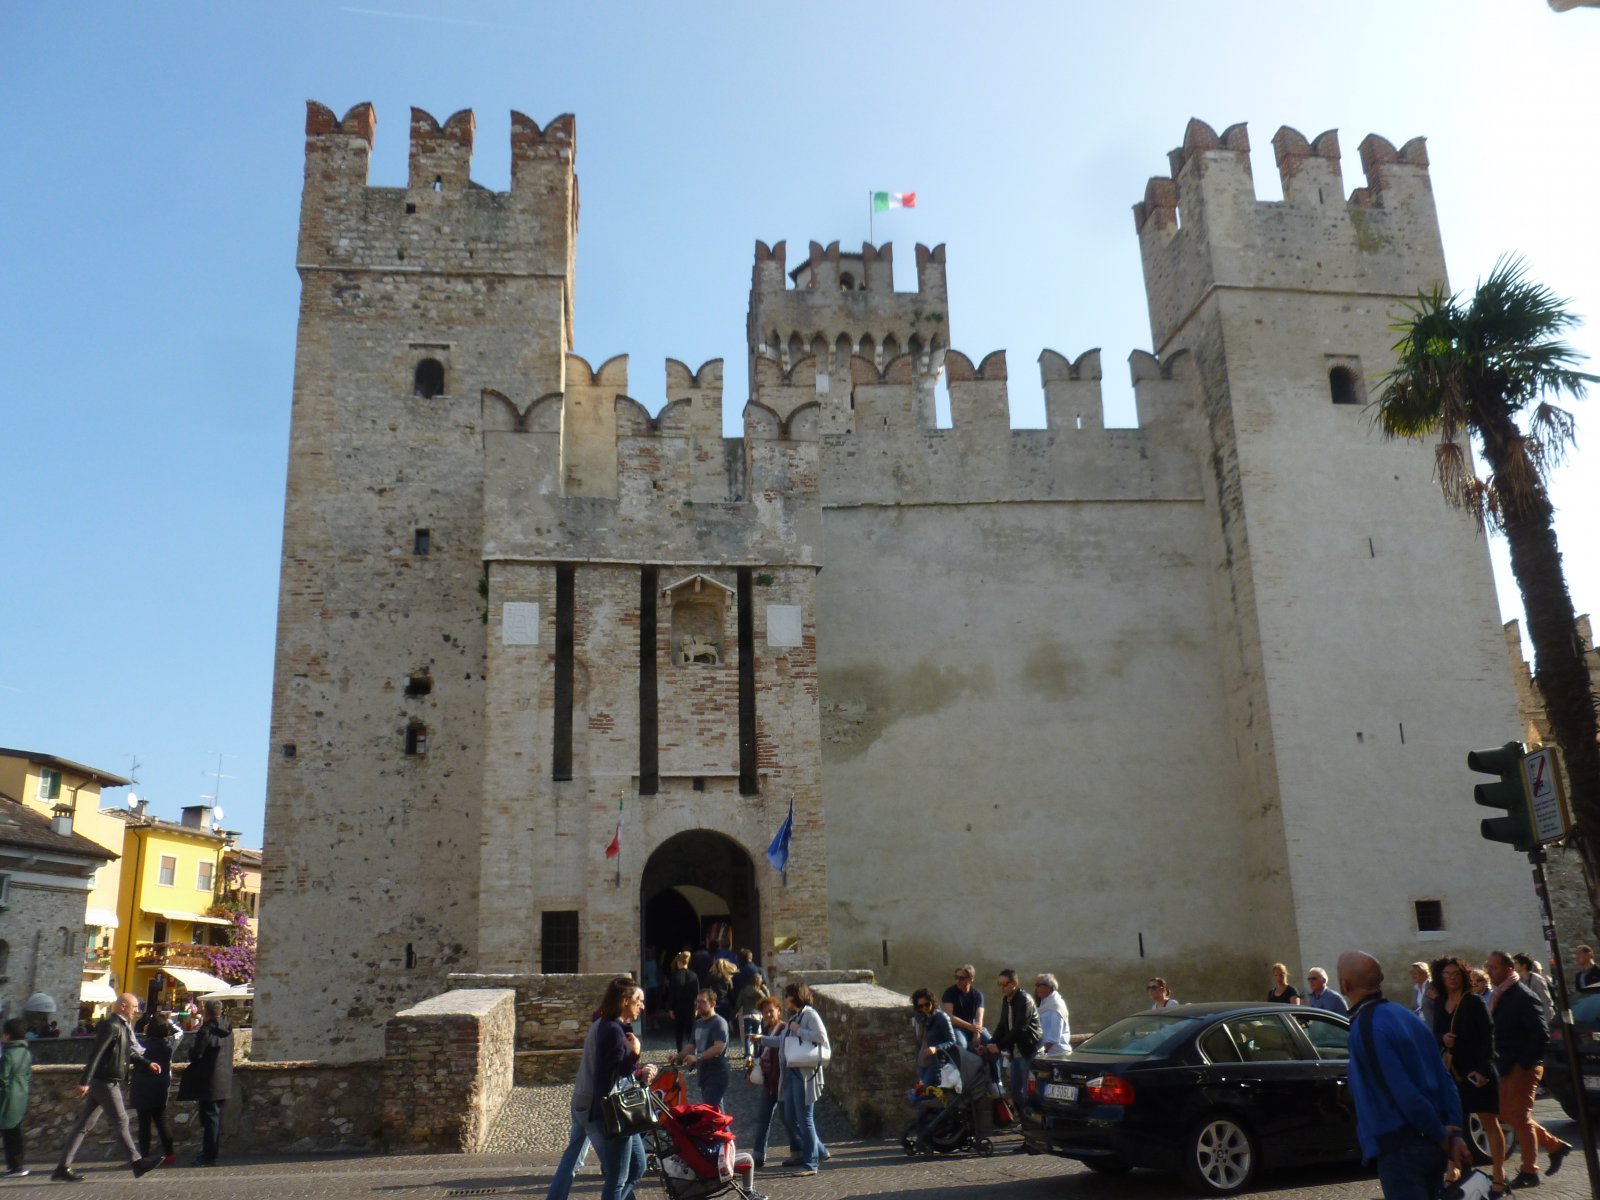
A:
(696, 884)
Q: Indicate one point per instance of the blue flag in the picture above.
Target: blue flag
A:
(778, 852)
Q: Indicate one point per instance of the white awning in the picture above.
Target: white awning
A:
(102, 917)
(194, 918)
(237, 991)
(97, 990)
(194, 981)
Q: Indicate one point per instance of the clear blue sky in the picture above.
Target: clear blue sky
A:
(150, 206)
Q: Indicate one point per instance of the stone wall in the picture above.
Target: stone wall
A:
(553, 1011)
(447, 1069)
(874, 1052)
(44, 926)
(275, 1108)
(544, 1068)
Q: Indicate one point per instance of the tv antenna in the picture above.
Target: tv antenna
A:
(216, 797)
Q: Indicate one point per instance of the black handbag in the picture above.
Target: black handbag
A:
(627, 1109)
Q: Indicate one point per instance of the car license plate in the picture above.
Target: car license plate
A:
(1060, 1091)
(1591, 1082)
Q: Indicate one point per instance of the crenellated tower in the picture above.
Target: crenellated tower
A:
(1356, 613)
(413, 300)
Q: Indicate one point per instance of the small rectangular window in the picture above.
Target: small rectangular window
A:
(1430, 916)
(202, 877)
(416, 739)
(418, 685)
(421, 541)
(169, 870)
(558, 941)
(49, 783)
(290, 750)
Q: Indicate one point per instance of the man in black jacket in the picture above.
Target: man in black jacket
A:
(209, 1078)
(1520, 1037)
(1019, 1032)
(102, 1079)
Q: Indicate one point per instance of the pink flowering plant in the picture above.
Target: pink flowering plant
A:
(235, 961)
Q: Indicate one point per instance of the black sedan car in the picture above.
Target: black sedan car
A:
(1585, 1032)
(1214, 1092)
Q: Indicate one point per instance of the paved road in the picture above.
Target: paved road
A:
(868, 1168)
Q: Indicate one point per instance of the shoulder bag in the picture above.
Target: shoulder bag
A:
(804, 1055)
(626, 1109)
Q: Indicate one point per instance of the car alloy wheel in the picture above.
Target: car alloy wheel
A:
(1221, 1156)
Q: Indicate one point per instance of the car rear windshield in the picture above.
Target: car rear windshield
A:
(1141, 1036)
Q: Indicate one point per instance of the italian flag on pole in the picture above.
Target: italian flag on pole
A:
(615, 848)
(884, 201)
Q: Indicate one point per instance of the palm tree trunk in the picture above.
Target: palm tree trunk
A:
(1559, 668)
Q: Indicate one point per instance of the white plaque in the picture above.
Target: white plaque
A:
(783, 625)
(519, 623)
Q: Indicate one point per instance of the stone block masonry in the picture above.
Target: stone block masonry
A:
(874, 1052)
(275, 1108)
(553, 1011)
(448, 1067)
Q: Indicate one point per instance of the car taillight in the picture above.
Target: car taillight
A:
(1033, 1086)
(1109, 1089)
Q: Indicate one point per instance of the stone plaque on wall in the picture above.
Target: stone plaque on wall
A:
(519, 623)
(783, 625)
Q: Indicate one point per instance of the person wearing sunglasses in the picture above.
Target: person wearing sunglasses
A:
(964, 1003)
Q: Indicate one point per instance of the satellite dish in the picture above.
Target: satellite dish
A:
(216, 813)
(133, 801)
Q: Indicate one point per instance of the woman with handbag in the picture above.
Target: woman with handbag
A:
(806, 1050)
(1466, 1033)
(764, 1071)
(610, 1056)
(938, 1036)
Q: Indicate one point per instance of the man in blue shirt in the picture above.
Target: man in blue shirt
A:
(1321, 995)
(1408, 1112)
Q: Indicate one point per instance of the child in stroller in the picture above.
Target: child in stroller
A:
(953, 1119)
(691, 1149)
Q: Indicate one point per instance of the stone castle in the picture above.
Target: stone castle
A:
(1180, 699)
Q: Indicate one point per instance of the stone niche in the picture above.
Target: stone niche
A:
(697, 614)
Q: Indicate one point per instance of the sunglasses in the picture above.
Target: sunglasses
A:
(963, 978)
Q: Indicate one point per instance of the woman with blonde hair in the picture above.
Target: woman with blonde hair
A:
(1282, 991)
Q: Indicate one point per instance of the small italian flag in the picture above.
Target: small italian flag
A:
(884, 201)
(615, 848)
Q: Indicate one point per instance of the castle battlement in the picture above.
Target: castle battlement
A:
(1203, 226)
(843, 304)
(440, 222)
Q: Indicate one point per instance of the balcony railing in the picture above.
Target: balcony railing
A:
(97, 956)
(171, 954)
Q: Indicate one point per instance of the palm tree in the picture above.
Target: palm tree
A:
(1483, 369)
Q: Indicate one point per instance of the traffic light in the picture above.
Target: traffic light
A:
(1515, 828)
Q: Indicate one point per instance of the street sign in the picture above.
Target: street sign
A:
(1547, 795)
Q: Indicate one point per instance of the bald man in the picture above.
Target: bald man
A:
(1408, 1112)
(115, 1048)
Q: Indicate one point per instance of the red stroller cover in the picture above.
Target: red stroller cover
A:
(700, 1135)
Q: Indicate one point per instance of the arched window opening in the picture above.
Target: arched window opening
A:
(891, 349)
(1342, 383)
(427, 380)
(438, 183)
(847, 281)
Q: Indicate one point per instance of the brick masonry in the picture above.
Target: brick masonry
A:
(275, 1108)
(448, 1066)
(874, 1052)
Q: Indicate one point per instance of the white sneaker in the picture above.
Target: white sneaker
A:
(19, 1173)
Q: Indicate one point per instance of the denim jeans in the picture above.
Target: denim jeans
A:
(572, 1159)
(802, 1123)
(210, 1128)
(1021, 1068)
(621, 1159)
(769, 1105)
(714, 1080)
(1413, 1172)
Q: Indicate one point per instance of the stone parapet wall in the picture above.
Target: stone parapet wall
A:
(874, 1052)
(447, 1069)
(275, 1108)
(544, 1068)
(553, 1011)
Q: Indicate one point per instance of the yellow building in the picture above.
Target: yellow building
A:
(172, 873)
(58, 787)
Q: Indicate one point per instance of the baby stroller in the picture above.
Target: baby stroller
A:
(950, 1120)
(691, 1148)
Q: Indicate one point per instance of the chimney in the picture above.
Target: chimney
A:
(139, 808)
(197, 816)
(61, 820)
